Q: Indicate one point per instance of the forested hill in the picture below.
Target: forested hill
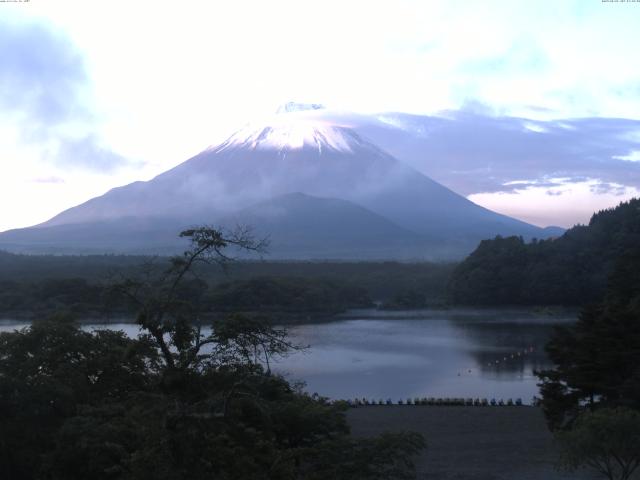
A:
(569, 270)
(33, 286)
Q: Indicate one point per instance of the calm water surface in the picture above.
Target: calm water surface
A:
(399, 355)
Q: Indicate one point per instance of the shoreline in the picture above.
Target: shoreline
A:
(559, 314)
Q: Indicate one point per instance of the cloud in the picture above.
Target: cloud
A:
(604, 188)
(45, 94)
(524, 57)
(475, 153)
(41, 73)
(540, 205)
(49, 179)
(633, 156)
(88, 152)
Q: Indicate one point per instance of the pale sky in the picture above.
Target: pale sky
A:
(98, 94)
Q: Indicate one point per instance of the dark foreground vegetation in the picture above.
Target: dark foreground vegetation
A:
(591, 397)
(174, 403)
(597, 360)
(570, 270)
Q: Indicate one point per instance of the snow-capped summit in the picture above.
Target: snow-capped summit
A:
(293, 132)
(298, 127)
(299, 107)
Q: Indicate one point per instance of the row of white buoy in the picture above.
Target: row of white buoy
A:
(513, 356)
(468, 402)
(504, 360)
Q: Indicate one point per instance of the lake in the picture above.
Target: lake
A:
(407, 354)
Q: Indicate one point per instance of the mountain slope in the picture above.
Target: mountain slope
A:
(131, 235)
(298, 226)
(302, 226)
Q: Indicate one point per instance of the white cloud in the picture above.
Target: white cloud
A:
(541, 206)
(634, 156)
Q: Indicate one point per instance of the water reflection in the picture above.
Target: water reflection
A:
(440, 354)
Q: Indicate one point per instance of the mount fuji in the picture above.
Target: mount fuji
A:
(310, 181)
